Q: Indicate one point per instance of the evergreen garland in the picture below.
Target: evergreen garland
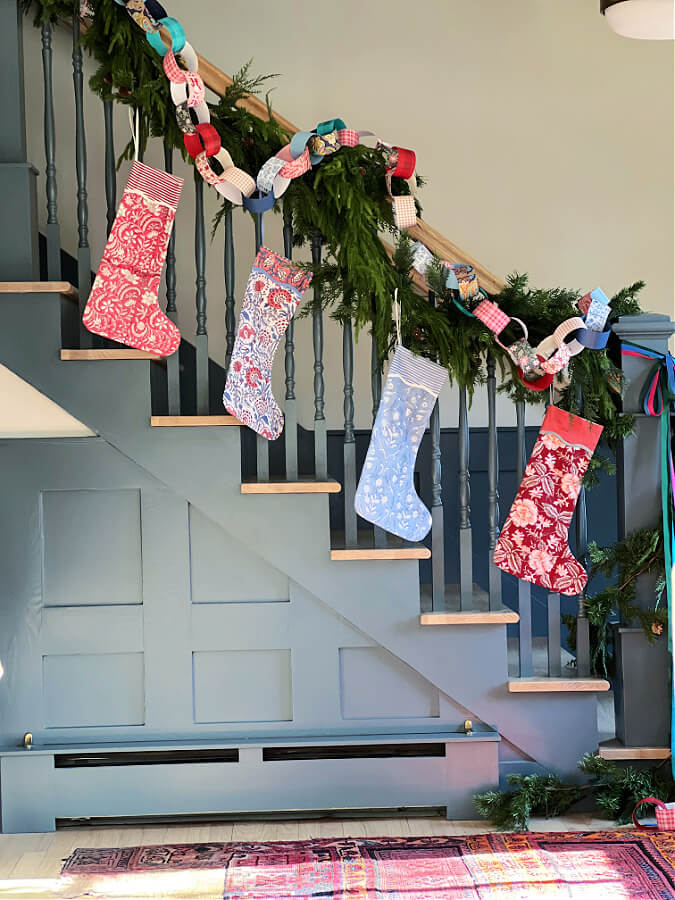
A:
(345, 199)
(615, 791)
(639, 553)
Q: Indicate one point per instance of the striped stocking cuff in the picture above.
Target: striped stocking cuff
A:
(154, 184)
(416, 370)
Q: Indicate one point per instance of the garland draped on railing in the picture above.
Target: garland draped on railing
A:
(347, 199)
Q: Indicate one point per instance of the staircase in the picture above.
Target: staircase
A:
(179, 639)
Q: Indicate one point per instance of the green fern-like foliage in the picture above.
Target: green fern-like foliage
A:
(639, 553)
(530, 795)
(615, 791)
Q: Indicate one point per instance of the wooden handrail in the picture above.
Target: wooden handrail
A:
(218, 82)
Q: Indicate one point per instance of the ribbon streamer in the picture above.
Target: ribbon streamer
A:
(658, 397)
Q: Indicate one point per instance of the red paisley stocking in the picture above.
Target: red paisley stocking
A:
(533, 543)
(123, 301)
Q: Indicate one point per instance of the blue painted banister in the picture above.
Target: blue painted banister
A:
(230, 319)
(201, 337)
(52, 229)
(465, 534)
(379, 534)
(437, 524)
(320, 435)
(349, 447)
(290, 403)
(109, 164)
(83, 251)
(495, 574)
(524, 587)
(583, 629)
(173, 361)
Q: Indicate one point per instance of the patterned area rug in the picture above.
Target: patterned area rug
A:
(579, 865)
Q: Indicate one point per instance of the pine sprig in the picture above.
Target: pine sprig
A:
(615, 791)
(639, 553)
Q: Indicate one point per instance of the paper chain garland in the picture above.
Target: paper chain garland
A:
(536, 366)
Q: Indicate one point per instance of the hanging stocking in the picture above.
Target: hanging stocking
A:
(274, 291)
(386, 494)
(533, 543)
(123, 303)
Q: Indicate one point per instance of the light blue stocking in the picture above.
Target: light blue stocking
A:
(386, 494)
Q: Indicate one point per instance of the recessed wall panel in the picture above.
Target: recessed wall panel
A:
(242, 686)
(93, 690)
(92, 547)
(375, 684)
(226, 571)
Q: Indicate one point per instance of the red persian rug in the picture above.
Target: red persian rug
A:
(579, 865)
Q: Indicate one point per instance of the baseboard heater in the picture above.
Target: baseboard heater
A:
(286, 774)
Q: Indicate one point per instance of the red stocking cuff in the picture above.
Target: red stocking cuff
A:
(572, 429)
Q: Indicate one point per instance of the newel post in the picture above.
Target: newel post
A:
(642, 689)
(18, 188)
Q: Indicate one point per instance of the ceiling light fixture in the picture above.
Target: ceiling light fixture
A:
(652, 20)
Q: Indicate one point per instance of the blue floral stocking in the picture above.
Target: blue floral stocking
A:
(386, 494)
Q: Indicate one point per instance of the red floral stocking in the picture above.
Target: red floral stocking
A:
(533, 543)
(123, 301)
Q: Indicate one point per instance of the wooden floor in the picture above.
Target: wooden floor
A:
(30, 863)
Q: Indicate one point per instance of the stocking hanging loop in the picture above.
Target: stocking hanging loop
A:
(396, 309)
(135, 127)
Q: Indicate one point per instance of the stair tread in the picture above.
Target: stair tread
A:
(38, 287)
(396, 548)
(539, 684)
(191, 421)
(614, 749)
(117, 353)
(502, 616)
(301, 486)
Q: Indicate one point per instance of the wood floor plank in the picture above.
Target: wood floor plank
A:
(220, 832)
(287, 831)
(246, 831)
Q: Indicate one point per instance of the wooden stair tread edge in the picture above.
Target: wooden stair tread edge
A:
(542, 684)
(502, 616)
(192, 421)
(615, 750)
(38, 287)
(301, 486)
(346, 554)
(116, 354)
